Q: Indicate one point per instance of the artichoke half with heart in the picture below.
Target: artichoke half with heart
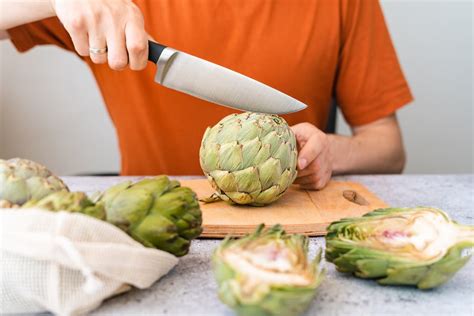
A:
(267, 273)
(419, 246)
(249, 158)
(22, 180)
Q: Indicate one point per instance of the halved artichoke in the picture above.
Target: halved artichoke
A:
(267, 273)
(402, 246)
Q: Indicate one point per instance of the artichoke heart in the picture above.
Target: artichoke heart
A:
(22, 180)
(249, 158)
(267, 273)
(402, 246)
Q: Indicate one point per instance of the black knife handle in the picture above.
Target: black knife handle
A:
(154, 51)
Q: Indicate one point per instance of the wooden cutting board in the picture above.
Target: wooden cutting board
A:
(299, 211)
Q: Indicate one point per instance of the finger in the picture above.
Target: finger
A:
(313, 167)
(97, 41)
(313, 187)
(310, 151)
(79, 38)
(317, 177)
(323, 180)
(137, 46)
(117, 51)
(309, 179)
(303, 131)
(318, 184)
(80, 42)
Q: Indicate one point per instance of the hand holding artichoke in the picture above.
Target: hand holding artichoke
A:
(249, 158)
(403, 246)
(267, 273)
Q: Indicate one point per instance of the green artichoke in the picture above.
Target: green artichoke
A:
(401, 246)
(157, 212)
(22, 180)
(267, 273)
(249, 158)
(68, 201)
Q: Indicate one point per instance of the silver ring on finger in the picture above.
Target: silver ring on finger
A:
(97, 51)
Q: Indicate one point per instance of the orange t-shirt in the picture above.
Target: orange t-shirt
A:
(312, 50)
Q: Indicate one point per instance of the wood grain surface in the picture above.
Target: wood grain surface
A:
(299, 211)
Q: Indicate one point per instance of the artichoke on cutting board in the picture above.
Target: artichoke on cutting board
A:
(249, 158)
(419, 246)
(267, 273)
(22, 180)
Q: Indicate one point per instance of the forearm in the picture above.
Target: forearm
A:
(378, 149)
(17, 12)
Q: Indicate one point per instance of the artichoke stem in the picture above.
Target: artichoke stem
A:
(466, 233)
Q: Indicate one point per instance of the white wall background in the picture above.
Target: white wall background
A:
(51, 111)
(434, 44)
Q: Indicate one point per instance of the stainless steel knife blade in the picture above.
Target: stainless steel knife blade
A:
(208, 81)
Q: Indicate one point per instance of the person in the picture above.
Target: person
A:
(312, 50)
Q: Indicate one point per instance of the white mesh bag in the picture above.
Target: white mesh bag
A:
(68, 263)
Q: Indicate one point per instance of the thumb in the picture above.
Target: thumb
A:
(309, 152)
(307, 137)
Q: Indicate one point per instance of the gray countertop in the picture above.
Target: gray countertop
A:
(189, 289)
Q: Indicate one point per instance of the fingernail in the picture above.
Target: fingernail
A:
(302, 163)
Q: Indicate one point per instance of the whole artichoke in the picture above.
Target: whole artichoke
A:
(22, 180)
(249, 158)
(267, 273)
(157, 212)
(403, 246)
(68, 201)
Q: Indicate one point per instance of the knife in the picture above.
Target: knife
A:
(208, 81)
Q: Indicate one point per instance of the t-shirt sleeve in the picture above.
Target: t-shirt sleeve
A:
(369, 84)
(44, 32)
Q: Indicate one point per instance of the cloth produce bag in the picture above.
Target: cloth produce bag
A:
(68, 263)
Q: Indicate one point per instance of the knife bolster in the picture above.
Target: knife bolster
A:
(154, 51)
(163, 63)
